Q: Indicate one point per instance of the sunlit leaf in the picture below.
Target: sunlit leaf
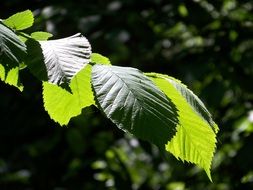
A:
(41, 35)
(195, 140)
(194, 101)
(20, 21)
(12, 52)
(10, 76)
(65, 57)
(99, 59)
(2, 72)
(61, 104)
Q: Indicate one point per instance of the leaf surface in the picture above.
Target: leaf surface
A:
(134, 103)
(41, 35)
(195, 140)
(64, 57)
(35, 60)
(99, 59)
(61, 104)
(12, 50)
(195, 102)
(20, 21)
(10, 76)
(57, 61)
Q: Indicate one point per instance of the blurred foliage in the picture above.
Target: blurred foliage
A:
(206, 44)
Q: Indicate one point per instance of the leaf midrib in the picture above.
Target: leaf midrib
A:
(135, 97)
(54, 52)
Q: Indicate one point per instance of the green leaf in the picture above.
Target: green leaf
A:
(195, 102)
(23, 36)
(61, 104)
(11, 76)
(20, 21)
(62, 58)
(182, 10)
(2, 72)
(35, 60)
(100, 59)
(12, 50)
(41, 35)
(81, 87)
(134, 103)
(195, 140)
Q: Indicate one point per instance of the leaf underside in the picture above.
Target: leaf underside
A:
(64, 57)
(195, 140)
(134, 103)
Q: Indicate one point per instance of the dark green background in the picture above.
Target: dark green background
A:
(206, 44)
